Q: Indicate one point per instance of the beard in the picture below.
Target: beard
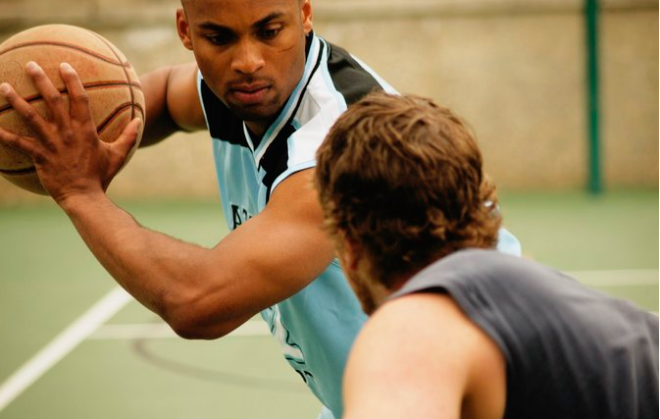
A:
(364, 294)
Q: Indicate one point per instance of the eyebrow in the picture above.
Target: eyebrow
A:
(259, 23)
(267, 19)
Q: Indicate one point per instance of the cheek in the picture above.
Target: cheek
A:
(291, 59)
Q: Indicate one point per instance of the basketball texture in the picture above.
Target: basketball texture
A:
(115, 95)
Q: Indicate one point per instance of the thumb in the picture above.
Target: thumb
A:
(121, 149)
(128, 138)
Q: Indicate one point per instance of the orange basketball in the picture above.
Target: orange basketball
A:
(115, 96)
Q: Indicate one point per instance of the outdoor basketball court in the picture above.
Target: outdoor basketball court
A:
(75, 346)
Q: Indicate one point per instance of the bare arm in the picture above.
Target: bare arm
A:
(420, 357)
(172, 102)
(206, 293)
(200, 292)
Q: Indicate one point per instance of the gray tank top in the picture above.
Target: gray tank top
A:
(571, 352)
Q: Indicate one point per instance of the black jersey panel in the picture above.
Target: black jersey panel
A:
(223, 125)
(348, 76)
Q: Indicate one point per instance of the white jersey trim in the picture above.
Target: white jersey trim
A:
(290, 106)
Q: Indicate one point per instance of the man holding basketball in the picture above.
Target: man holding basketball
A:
(267, 89)
(459, 330)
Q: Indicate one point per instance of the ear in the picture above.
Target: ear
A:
(183, 29)
(306, 15)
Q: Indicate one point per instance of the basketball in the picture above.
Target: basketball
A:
(115, 96)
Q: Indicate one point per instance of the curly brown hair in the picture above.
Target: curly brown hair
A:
(402, 177)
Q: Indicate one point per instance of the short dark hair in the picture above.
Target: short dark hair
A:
(402, 177)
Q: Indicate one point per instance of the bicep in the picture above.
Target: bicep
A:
(171, 101)
(278, 252)
(183, 99)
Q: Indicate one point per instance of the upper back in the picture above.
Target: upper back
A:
(571, 352)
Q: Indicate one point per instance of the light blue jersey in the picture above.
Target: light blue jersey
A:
(315, 327)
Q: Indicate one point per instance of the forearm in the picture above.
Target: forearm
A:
(161, 272)
(206, 293)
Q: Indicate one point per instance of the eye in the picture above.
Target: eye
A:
(268, 33)
(220, 38)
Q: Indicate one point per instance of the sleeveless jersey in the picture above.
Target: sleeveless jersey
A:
(571, 352)
(315, 327)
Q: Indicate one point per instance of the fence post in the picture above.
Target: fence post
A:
(593, 96)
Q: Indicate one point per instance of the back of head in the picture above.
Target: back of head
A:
(402, 177)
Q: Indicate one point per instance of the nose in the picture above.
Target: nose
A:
(248, 58)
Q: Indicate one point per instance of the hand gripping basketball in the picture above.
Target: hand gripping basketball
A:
(112, 89)
(69, 157)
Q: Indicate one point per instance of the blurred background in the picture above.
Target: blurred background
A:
(517, 70)
(563, 97)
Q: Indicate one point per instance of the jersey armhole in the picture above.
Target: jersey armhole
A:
(200, 80)
(290, 171)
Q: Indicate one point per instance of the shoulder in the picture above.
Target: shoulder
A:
(348, 76)
(425, 344)
(183, 97)
(430, 317)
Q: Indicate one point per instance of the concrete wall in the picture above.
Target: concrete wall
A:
(514, 69)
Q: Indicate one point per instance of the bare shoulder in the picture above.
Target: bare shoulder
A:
(430, 319)
(435, 355)
(183, 97)
(297, 188)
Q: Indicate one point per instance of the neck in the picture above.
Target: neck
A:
(257, 128)
(397, 282)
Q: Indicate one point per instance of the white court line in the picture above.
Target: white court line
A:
(90, 326)
(64, 343)
(636, 277)
(163, 331)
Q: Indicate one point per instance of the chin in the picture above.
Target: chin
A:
(251, 114)
(265, 112)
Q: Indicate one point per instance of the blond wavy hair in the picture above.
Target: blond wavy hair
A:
(402, 177)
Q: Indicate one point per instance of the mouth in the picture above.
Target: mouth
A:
(249, 94)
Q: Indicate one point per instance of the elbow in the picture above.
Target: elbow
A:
(197, 324)
(200, 313)
(193, 331)
(185, 328)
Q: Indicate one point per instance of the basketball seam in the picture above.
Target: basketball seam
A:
(18, 172)
(71, 46)
(90, 86)
(118, 110)
(109, 59)
(124, 68)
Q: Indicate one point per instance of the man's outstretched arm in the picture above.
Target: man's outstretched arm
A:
(200, 292)
(206, 293)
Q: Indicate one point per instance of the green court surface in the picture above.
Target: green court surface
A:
(75, 347)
